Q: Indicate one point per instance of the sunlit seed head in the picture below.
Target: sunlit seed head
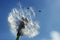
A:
(31, 27)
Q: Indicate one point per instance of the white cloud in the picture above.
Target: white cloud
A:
(55, 35)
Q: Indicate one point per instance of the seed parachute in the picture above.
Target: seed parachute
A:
(22, 22)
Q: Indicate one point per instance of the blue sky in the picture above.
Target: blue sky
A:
(49, 18)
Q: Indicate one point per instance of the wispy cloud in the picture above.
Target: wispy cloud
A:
(55, 35)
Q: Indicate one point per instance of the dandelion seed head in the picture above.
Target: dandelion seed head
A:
(14, 18)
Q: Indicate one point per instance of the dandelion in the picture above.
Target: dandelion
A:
(22, 23)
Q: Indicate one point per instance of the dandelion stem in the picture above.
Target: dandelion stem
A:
(18, 35)
(17, 38)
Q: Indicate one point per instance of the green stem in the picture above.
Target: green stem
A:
(18, 35)
(17, 38)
